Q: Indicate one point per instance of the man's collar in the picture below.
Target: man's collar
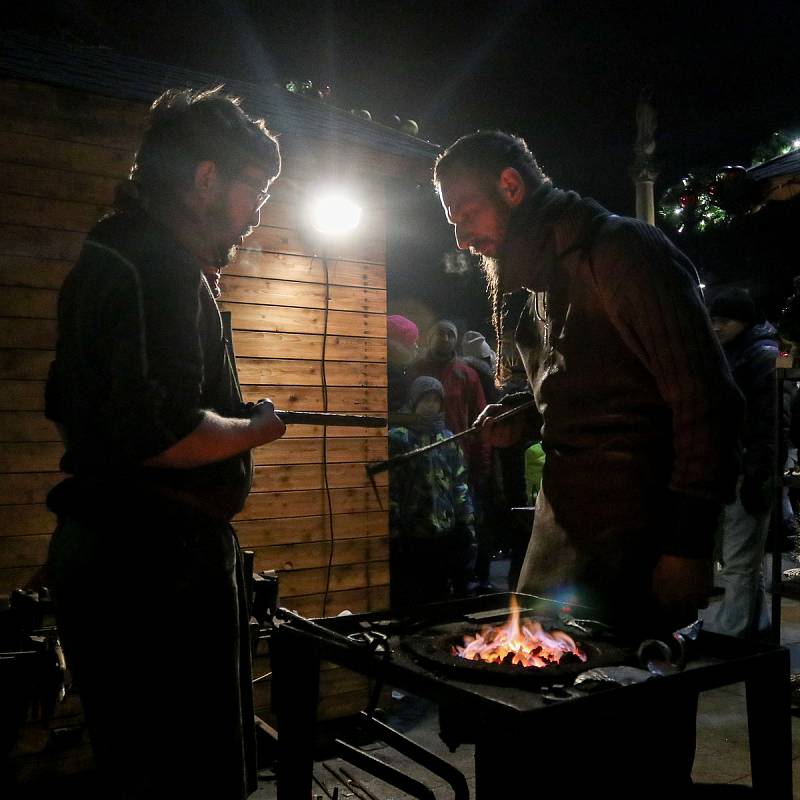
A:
(546, 225)
(185, 228)
(528, 231)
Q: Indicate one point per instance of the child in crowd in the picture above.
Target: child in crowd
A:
(430, 516)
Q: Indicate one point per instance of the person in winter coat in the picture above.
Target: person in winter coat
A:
(487, 495)
(476, 352)
(430, 512)
(751, 347)
(463, 395)
(402, 336)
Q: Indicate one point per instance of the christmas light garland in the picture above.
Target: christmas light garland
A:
(702, 200)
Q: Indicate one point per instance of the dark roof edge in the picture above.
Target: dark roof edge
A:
(787, 164)
(99, 71)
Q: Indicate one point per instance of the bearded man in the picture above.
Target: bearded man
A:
(144, 564)
(640, 413)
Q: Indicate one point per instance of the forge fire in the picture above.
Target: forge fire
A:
(526, 644)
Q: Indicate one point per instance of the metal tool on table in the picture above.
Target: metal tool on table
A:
(658, 657)
(364, 639)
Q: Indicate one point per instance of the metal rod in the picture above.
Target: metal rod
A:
(356, 784)
(332, 771)
(383, 771)
(423, 756)
(343, 781)
(309, 626)
(329, 418)
(382, 466)
(322, 786)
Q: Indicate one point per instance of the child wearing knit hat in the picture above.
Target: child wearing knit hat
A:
(430, 512)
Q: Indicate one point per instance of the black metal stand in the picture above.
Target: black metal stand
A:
(498, 717)
(295, 696)
(776, 528)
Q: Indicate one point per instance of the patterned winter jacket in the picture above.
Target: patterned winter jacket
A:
(428, 494)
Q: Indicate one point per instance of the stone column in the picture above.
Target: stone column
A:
(643, 171)
(645, 178)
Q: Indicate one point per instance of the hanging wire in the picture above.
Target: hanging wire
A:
(326, 306)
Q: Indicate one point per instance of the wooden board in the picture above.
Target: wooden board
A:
(312, 502)
(26, 426)
(264, 344)
(27, 487)
(69, 215)
(265, 533)
(297, 294)
(307, 243)
(312, 476)
(70, 114)
(346, 576)
(25, 519)
(43, 151)
(21, 396)
(303, 372)
(250, 316)
(307, 268)
(57, 184)
(24, 365)
(310, 451)
(318, 554)
(32, 272)
(40, 242)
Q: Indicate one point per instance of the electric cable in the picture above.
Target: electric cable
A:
(324, 380)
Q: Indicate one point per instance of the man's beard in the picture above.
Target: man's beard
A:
(494, 288)
(493, 273)
(223, 255)
(224, 251)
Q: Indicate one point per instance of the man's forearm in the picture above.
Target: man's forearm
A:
(215, 439)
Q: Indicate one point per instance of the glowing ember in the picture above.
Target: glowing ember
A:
(528, 645)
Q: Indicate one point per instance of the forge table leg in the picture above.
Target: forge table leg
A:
(295, 696)
(488, 755)
(769, 726)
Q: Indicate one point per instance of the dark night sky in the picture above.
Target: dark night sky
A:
(564, 74)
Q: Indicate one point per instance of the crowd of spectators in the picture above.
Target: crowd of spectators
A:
(456, 507)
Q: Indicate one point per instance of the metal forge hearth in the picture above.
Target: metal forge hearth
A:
(586, 673)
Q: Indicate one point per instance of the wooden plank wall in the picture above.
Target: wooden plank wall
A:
(322, 527)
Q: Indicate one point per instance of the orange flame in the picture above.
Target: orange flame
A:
(528, 645)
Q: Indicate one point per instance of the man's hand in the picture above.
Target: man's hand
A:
(268, 425)
(681, 586)
(506, 432)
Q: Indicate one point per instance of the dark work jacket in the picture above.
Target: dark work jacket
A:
(640, 413)
(140, 355)
(751, 357)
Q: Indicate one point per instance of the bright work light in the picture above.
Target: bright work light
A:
(334, 213)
